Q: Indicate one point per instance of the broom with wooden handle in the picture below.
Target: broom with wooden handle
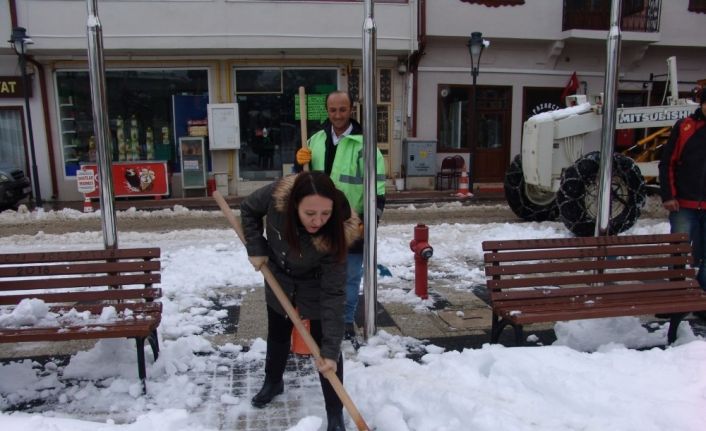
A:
(294, 316)
(302, 120)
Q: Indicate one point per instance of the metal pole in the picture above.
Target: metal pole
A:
(25, 85)
(474, 137)
(370, 157)
(610, 94)
(101, 128)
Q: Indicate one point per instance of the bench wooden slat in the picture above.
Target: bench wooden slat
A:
(581, 253)
(87, 296)
(586, 265)
(568, 296)
(81, 268)
(586, 279)
(67, 282)
(135, 307)
(594, 290)
(573, 242)
(567, 314)
(77, 256)
(603, 300)
(119, 329)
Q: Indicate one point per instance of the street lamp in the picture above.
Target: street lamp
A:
(19, 41)
(476, 44)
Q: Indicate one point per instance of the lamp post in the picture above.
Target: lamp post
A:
(19, 41)
(476, 44)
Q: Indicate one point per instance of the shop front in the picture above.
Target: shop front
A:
(149, 111)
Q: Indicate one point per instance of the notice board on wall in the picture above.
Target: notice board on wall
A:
(223, 126)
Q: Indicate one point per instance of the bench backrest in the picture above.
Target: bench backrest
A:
(80, 276)
(560, 267)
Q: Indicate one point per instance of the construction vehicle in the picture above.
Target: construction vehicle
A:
(554, 178)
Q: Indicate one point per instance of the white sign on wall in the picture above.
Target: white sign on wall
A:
(223, 126)
(85, 180)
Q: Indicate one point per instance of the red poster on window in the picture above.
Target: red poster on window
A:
(135, 179)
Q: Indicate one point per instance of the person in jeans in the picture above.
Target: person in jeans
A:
(682, 177)
(337, 150)
(309, 227)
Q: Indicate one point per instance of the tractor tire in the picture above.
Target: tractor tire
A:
(577, 198)
(526, 201)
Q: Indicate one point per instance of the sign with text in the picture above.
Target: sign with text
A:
(315, 107)
(132, 179)
(193, 162)
(86, 181)
(11, 87)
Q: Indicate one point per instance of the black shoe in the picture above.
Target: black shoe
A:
(335, 422)
(269, 390)
(349, 334)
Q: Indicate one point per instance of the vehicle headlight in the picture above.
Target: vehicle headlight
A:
(4, 178)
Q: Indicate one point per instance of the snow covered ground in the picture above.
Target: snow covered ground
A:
(592, 378)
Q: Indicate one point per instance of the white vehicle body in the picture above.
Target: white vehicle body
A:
(552, 141)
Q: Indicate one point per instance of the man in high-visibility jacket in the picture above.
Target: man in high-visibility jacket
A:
(338, 151)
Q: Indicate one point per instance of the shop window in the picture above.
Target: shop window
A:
(454, 105)
(455, 126)
(141, 109)
(270, 131)
(12, 136)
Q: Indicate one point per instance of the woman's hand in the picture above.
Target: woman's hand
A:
(325, 365)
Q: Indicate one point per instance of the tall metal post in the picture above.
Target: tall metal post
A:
(610, 94)
(370, 157)
(101, 128)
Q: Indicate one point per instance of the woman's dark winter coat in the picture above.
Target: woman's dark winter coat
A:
(312, 278)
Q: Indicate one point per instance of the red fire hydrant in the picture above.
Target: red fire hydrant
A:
(422, 252)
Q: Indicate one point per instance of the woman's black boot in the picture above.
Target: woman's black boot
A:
(275, 363)
(268, 391)
(335, 422)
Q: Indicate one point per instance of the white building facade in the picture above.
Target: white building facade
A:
(166, 61)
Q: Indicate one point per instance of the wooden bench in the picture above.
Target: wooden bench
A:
(85, 281)
(548, 280)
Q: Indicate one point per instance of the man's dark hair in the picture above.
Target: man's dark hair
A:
(333, 232)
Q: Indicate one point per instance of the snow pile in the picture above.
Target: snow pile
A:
(593, 378)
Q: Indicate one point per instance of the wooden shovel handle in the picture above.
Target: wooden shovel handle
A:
(294, 316)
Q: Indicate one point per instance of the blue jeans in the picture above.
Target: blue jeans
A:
(353, 278)
(692, 222)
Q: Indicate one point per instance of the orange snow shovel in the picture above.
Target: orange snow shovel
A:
(294, 316)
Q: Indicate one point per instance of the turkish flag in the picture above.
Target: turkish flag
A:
(571, 87)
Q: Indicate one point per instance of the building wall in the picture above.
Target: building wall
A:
(218, 35)
(219, 25)
(528, 49)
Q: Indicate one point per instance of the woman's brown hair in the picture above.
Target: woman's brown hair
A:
(333, 233)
